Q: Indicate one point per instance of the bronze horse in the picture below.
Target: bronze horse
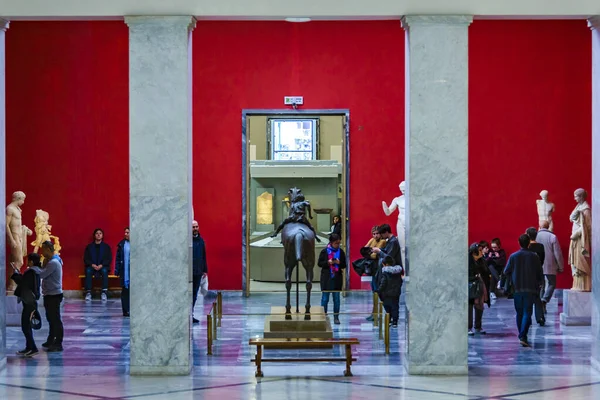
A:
(299, 246)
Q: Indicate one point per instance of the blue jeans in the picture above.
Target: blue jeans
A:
(524, 308)
(336, 299)
(91, 272)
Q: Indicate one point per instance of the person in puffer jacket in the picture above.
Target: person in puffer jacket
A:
(389, 288)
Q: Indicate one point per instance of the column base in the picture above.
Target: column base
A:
(577, 308)
(595, 364)
(160, 370)
(436, 369)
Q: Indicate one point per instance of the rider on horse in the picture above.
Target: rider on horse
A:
(299, 207)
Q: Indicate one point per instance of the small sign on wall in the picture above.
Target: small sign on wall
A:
(293, 100)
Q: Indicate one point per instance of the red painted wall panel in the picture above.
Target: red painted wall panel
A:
(529, 125)
(240, 65)
(67, 130)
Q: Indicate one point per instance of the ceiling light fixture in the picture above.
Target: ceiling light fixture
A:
(297, 19)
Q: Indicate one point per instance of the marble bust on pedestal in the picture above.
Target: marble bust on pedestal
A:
(400, 204)
(545, 210)
(580, 246)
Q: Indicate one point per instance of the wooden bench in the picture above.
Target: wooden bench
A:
(299, 344)
(111, 282)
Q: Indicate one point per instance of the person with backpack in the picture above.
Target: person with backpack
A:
(389, 288)
(28, 292)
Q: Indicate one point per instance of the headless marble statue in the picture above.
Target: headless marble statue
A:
(545, 210)
(16, 232)
(399, 203)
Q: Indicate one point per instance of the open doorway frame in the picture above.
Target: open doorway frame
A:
(246, 178)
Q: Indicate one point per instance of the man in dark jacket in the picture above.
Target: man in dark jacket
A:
(392, 249)
(525, 271)
(28, 290)
(122, 270)
(389, 288)
(200, 268)
(97, 258)
(537, 248)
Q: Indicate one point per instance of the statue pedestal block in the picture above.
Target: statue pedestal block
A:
(14, 310)
(577, 308)
(319, 325)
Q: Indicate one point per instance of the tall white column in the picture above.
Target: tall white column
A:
(437, 186)
(160, 192)
(3, 28)
(594, 24)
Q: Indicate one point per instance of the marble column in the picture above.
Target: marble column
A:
(160, 193)
(3, 28)
(594, 24)
(437, 193)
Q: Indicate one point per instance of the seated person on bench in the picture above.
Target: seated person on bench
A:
(298, 209)
(97, 259)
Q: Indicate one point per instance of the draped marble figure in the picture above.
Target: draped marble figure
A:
(580, 246)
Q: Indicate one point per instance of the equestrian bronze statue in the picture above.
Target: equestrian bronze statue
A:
(298, 240)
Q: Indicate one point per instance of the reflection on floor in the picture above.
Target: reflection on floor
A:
(94, 364)
(279, 287)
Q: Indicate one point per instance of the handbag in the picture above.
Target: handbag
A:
(475, 289)
(204, 285)
(35, 319)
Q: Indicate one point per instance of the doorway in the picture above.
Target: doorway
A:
(282, 149)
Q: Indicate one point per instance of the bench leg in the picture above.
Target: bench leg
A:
(259, 373)
(348, 372)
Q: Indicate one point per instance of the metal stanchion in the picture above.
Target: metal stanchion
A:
(219, 307)
(214, 317)
(380, 318)
(209, 331)
(387, 334)
(375, 306)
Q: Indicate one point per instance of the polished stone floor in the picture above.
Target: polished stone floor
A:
(94, 364)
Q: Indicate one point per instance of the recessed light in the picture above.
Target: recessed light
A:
(297, 19)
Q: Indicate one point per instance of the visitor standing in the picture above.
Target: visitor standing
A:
(122, 270)
(51, 275)
(553, 263)
(524, 269)
(390, 287)
(28, 291)
(332, 261)
(200, 267)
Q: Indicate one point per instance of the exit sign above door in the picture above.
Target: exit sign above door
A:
(293, 100)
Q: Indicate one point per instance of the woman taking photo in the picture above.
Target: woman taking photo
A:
(332, 261)
(478, 291)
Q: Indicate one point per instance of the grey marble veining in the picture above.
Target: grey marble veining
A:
(3, 27)
(437, 187)
(594, 24)
(160, 193)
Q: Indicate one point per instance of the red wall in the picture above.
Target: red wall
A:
(67, 130)
(529, 125)
(67, 122)
(239, 65)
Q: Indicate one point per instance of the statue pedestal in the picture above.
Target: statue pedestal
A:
(577, 308)
(14, 310)
(319, 325)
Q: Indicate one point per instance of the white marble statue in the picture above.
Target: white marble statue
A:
(399, 203)
(15, 232)
(545, 210)
(581, 243)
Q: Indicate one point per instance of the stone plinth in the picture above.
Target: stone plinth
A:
(577, 308)
(319, 325)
